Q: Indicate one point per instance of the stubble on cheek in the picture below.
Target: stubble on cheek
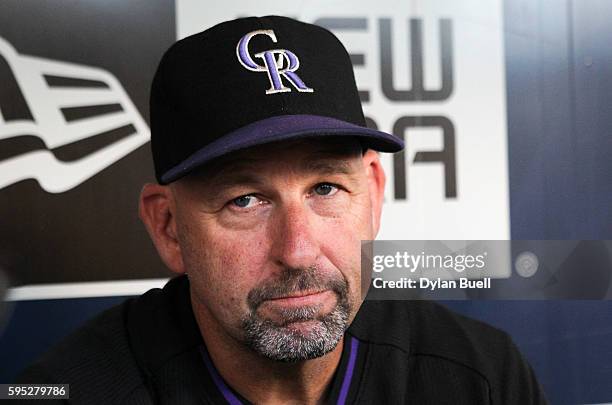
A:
(213, 286)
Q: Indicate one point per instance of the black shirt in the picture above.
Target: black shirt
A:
(149, 350)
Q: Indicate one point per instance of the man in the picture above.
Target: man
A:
(268, 181)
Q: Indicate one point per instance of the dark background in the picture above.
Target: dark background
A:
(82, 234)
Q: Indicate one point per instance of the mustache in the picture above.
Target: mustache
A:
(293, 281)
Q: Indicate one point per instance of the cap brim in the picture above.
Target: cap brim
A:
(281, 128)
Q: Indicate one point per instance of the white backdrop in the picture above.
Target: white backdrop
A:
(476, 106)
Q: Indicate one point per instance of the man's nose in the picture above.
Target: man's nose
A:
(296, 245)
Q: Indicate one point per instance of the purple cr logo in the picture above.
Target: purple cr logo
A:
(278, 63)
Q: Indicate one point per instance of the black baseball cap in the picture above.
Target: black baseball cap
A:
(248, 82)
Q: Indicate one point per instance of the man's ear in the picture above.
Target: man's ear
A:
(376, 185)
(157, 211)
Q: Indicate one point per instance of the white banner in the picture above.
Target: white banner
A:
(430, 71)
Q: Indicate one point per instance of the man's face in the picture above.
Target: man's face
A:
(270, 238)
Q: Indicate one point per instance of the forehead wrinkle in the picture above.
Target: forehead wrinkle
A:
(327, 166)
(241, 177)
(243, 174)
(330, 161)
(227, 171)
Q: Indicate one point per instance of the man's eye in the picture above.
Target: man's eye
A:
(325, 189)
(245, 201)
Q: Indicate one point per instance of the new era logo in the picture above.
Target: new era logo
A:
(64, 105)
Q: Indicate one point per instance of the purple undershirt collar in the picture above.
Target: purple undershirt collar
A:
(232, 399)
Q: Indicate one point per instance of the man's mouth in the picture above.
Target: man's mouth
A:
(303, 298)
